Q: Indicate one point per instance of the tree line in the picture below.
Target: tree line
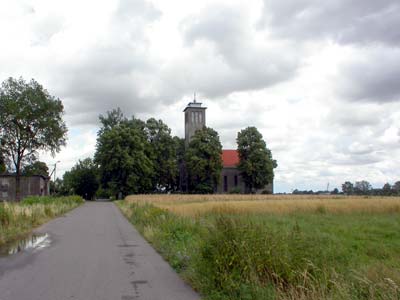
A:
(362, 187)
(132, 155)
(365, 188)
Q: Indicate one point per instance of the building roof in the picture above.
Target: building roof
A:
(230, 158)
(7, 174)
(194, 104)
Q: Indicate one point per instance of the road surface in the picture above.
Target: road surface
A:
(94, 254)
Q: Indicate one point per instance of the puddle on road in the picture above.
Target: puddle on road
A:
(32, 242)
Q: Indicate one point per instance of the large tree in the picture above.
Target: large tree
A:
(348, 188)
(30, 120)
(163, 154)
(256, 163)
(3, 167)
(82, 179)
(203, 161)
(36, 168)
(362, 187)
(396, 187)
(122, 153)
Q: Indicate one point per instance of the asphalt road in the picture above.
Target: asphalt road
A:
(94, 253)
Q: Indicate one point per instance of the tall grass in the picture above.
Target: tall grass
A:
(192, 205)
(17, 219)
(263, 249)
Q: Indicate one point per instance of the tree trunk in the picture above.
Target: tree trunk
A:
(18, 180)
(18, 186)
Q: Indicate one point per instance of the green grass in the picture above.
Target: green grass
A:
(265, 256)
(18, 219)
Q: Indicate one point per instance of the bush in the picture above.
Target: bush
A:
(18, 219)
(30, 200)
(235, 190)
(4, 216)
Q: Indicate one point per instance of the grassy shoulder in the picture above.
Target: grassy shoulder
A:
(313, 254)
(18, 219)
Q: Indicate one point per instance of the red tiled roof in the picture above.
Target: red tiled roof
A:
(230, 158)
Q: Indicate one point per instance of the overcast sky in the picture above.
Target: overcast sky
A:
(319, 79)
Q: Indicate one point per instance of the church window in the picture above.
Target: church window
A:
(236, 181)
(225, 183)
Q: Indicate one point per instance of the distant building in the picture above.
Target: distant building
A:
(231, 180)
(36, 185)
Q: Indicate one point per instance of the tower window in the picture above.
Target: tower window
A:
(200, 118)
(192, 115)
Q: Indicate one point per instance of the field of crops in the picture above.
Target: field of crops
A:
(18, 219)
(276, 247)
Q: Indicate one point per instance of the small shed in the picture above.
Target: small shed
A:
(35, 185)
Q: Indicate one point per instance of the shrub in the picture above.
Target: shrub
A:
(4, 216)
(30, 200)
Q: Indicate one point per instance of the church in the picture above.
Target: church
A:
(231, 179)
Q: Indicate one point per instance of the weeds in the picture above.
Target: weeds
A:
(17, 219)
(229, 252)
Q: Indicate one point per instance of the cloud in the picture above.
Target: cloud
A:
(225, 54)
(355, 22)
(370, 75)
(317, 78)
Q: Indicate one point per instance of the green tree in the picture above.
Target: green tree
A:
(163, 154)
(203, 161)
(335, 191)
(30, 120)
(3, 167)
(362, 187)
(122, 153)
(256, 162)
(396, 187)
(387, 189)
(36, 168)
(348, 188)
(82, 179)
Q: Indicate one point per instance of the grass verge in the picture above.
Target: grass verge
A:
(18, 219)
(309, 254)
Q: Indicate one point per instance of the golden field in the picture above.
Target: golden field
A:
(192, 205)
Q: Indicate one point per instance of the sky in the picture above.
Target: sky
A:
(319, 79)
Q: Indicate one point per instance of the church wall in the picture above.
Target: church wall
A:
(230, 173)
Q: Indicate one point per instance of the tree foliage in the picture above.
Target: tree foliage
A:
(362, 187)
(163, 155)
(82, 179)
(122, 153)
(203, 161)
(36, 168)
(30, 120)
(3, 167)
(348, 188)
(256, 162)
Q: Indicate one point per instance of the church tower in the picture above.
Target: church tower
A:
(195, 119)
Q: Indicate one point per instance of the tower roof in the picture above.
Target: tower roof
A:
(194, 104)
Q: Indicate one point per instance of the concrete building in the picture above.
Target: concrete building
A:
(231, 179)
(35, 185)
(195, 119)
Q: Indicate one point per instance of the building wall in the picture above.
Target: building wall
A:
(228, 185)
(29, 186)
(195, 119)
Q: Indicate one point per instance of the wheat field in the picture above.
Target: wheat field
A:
(192, 205)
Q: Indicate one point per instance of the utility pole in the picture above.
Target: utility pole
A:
(54, 171)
